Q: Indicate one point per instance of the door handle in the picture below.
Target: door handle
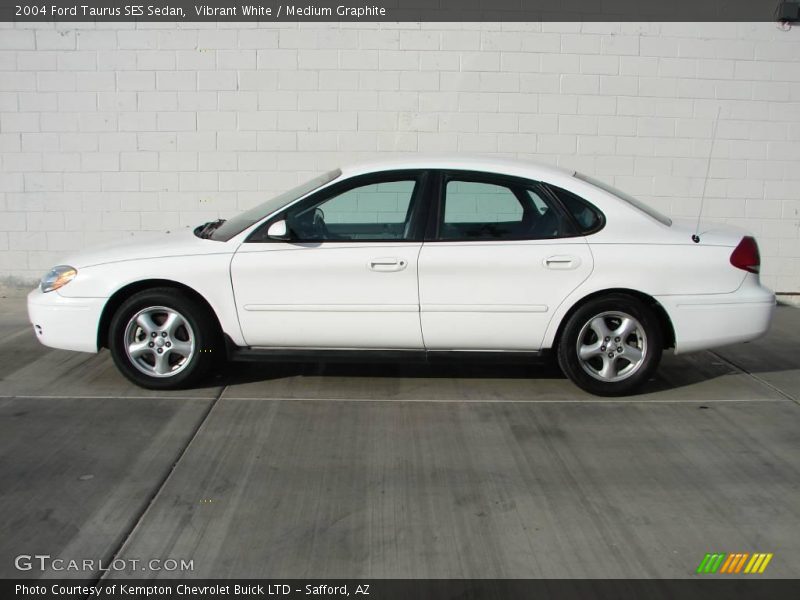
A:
(562, 262)
(386, 265)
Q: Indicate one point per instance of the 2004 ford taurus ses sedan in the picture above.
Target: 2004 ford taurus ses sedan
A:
(415, 259)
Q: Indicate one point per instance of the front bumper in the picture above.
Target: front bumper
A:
(65, 323)
(705, 321)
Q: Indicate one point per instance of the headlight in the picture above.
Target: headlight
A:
(57, 277)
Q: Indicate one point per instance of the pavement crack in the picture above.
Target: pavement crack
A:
(127, 535)
(760, 380)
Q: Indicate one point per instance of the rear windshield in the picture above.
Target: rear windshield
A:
(638, 204)
(242, 221)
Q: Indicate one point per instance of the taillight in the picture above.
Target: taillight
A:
(746, 255)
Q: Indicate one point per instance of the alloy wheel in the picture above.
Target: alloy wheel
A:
(159, 341)
(612, 346)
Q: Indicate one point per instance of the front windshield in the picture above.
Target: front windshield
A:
(242, 221)
(646, 209)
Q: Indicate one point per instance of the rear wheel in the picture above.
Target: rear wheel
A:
(611, 345)
(163, 339)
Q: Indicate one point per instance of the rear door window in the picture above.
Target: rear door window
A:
(488, 210)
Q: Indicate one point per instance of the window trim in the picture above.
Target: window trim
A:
(553, 191)
(515, 184)
(417, 206)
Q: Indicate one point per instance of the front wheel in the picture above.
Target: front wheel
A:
(162, 339)
(611, 345)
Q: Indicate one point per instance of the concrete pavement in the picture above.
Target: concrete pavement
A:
(401, 471)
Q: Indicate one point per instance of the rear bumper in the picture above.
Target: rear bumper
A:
(706, 321)
(65, 323)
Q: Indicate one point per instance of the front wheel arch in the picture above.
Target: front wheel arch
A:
(118, 297)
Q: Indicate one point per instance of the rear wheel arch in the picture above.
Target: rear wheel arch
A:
(665, 323)
(125, 292)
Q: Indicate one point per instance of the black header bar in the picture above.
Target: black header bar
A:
(389, 10)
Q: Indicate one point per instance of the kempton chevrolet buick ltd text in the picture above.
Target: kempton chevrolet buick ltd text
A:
(413, 259)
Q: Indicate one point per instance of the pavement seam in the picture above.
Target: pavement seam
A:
(760, 380)
(162, 484)
(101, 397)
(784, 398)
(464, 401)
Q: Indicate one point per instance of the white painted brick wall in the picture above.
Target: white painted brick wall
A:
(120, 130)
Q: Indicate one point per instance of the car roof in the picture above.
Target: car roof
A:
(461, 162)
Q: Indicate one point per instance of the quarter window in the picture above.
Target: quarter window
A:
(587, 217)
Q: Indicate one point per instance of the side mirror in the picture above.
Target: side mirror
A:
(278, 231)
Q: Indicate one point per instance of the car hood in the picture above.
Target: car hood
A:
(182, 242)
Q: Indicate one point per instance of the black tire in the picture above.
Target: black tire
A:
(626, 374)
(186, 349)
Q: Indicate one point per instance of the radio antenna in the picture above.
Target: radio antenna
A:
(696, 236)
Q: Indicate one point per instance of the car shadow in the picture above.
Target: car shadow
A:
(773, 353)
(241, 373)
(250, 372)
(674, 373)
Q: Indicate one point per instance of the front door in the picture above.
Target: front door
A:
(503, 257)
(346, 278)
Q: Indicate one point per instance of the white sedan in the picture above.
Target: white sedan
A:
(466, 258)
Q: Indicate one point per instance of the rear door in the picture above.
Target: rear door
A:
(499, 257)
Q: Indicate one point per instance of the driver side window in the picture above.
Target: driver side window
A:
(371, 212)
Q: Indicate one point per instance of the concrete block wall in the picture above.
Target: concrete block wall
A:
(110, 131)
